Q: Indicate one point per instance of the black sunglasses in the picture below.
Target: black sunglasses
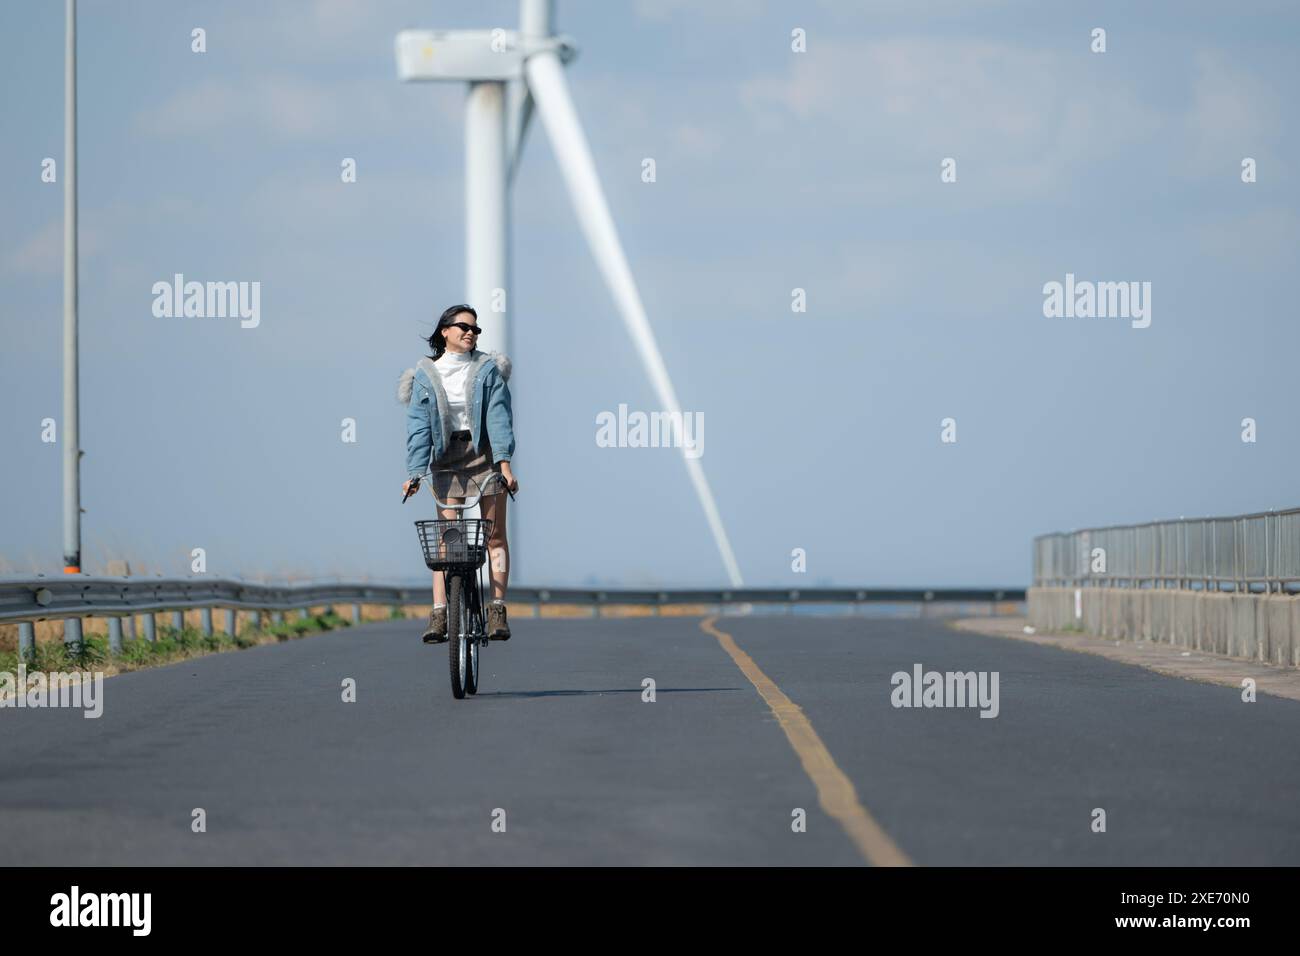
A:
(463, 326)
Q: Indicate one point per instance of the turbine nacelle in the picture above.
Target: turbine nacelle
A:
(473, 55)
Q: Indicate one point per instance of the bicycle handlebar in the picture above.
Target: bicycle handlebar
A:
(442, 504)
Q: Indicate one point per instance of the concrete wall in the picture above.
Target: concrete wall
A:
(1257, 627)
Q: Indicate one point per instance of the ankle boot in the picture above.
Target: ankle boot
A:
(497, 627)
(436, 632)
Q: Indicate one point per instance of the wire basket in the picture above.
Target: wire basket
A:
(454, 542)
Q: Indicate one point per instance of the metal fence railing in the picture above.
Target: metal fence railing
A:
(1240, 553)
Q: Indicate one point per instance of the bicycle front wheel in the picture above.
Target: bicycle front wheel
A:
(457, 634)
(471, 668)
(473, 630)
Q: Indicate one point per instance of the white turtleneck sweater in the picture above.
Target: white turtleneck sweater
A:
(454, 369)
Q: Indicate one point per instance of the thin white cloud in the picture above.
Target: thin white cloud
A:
(1027, 118)
(321, 31)
(732, 10)
(1261, 240)
(697, 141)
(286, 108)
(41, 254)
(1234, 114)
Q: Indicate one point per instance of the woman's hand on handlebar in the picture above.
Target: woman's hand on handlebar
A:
(512, 483)
(410, 487)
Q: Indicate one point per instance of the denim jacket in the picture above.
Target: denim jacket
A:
(428, 416)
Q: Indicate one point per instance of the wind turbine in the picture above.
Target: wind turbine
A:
(508, 72)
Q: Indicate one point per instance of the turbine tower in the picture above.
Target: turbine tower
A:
(509, 72)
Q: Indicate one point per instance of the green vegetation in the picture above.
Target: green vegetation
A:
(171, 645)
(93, 651)
(298, 626)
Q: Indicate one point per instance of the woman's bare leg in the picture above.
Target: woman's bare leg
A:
(494, 510)
(439, 587)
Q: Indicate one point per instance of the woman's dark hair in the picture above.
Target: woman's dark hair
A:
(438, 341)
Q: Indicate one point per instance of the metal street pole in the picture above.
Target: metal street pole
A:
(71, 430)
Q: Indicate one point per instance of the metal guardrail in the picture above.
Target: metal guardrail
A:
(27, 600)
(765, 596)
(1240, 553)
(51, 598)
(38, 599)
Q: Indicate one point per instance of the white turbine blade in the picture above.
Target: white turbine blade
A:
(519, 110)
(550, 90)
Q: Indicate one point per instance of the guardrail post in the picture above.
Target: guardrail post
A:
(115, 635)
(205, 616)
(303, 614)
(128, 627)
(150, 628)
(26, 639)
(178, 620)
(1238, 546)
(277, 617)
(71, 631)
(356, 614)
(232, 618)
(1269, 564)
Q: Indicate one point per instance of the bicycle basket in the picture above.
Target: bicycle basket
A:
(454, 542)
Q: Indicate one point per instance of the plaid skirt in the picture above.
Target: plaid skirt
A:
(463, 462)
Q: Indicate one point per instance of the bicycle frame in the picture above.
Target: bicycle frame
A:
(473, 603)
(457, 548)
(473, 592)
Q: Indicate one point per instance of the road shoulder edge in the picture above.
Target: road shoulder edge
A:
(1169, 660)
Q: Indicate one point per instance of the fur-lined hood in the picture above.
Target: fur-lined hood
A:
(406, 381)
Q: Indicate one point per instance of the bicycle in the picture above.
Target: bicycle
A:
(458, 548)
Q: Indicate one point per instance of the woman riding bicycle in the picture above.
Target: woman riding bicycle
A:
(457, 402)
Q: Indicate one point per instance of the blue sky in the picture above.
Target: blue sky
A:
(775, 170)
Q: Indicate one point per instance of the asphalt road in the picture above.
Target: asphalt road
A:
(586, 772)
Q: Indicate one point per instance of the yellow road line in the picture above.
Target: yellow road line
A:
(835, 791)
